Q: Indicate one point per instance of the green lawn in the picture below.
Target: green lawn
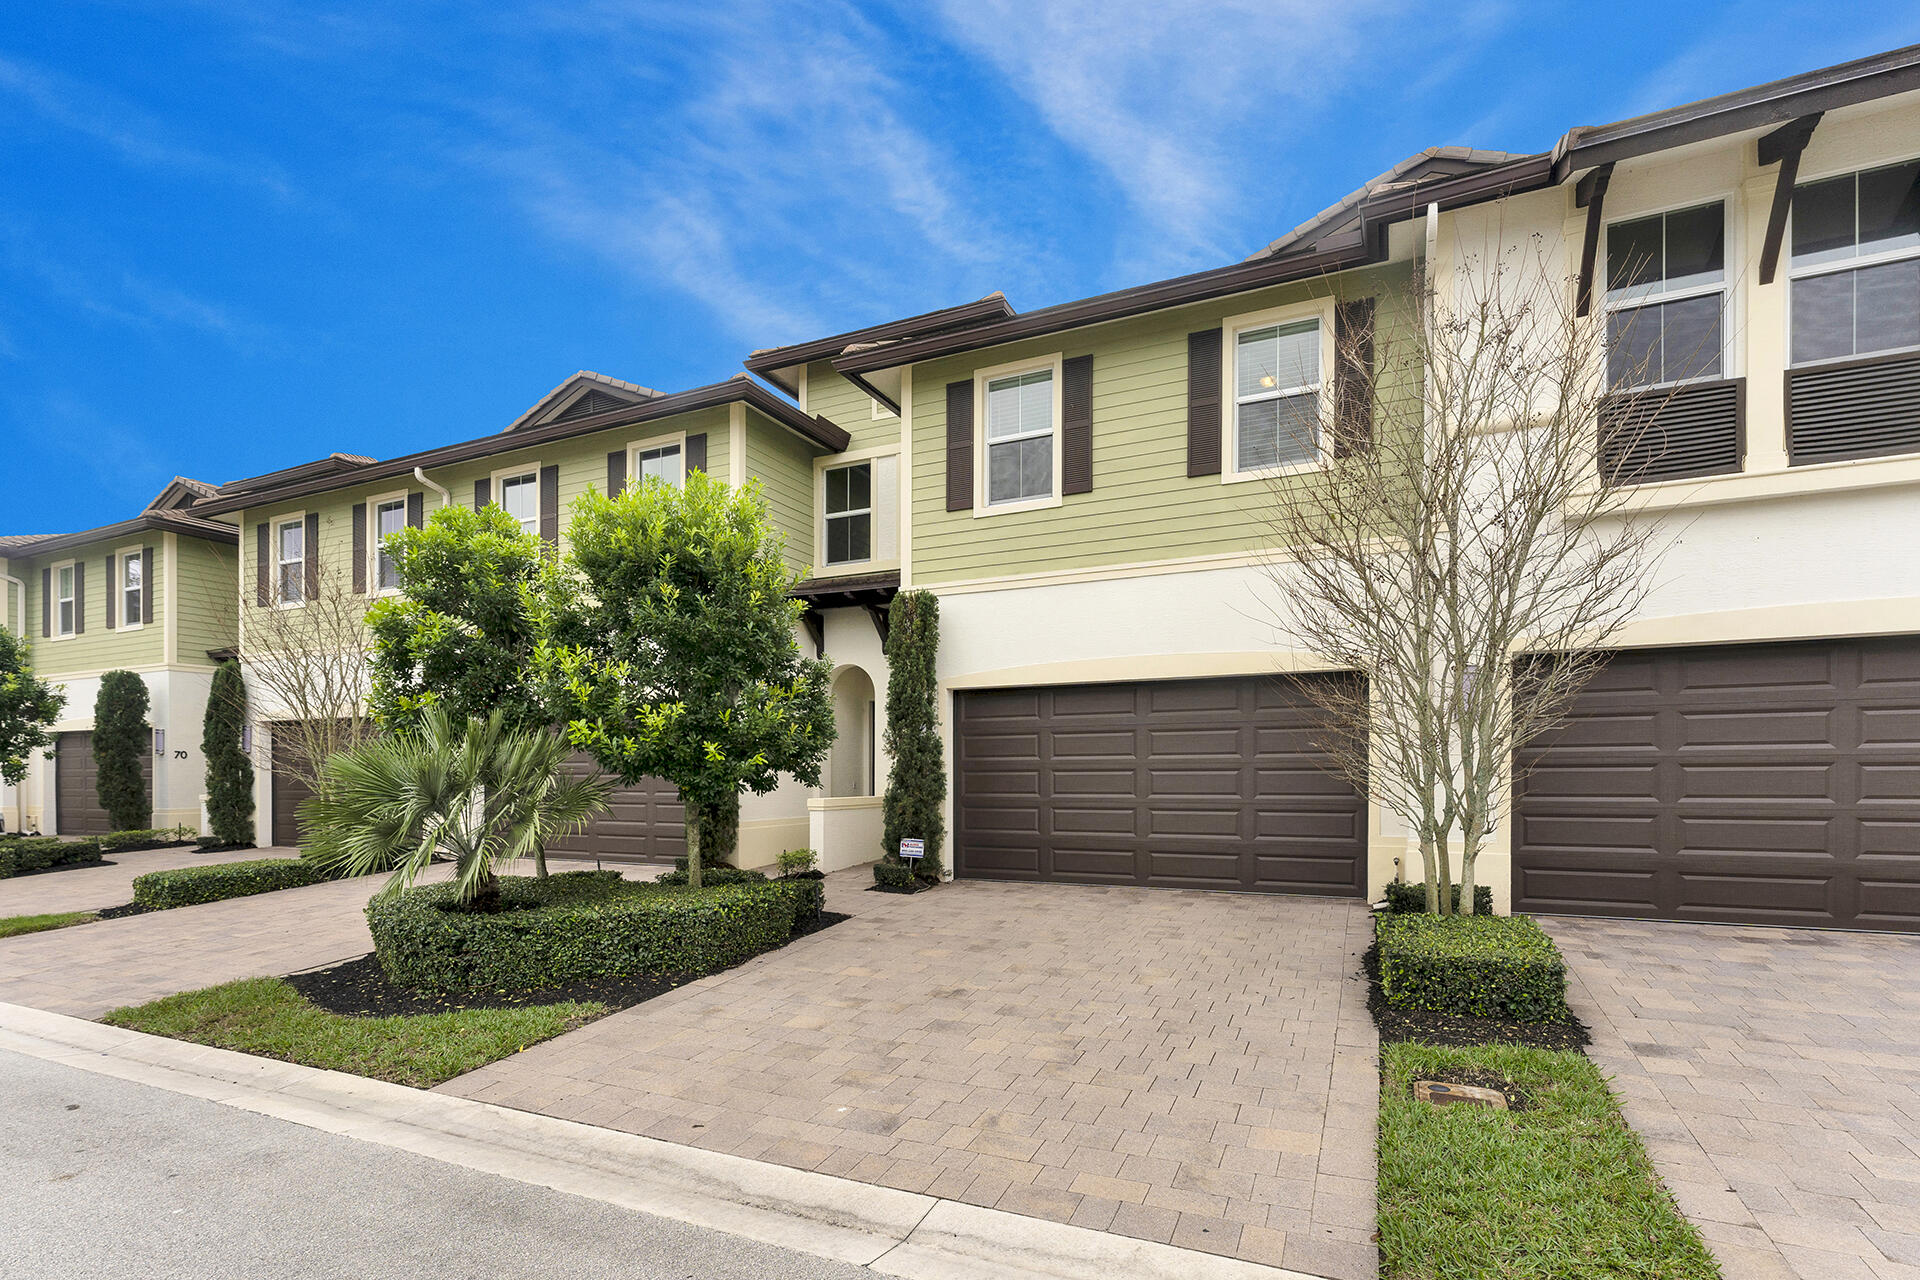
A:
(1559, 1190)
(14, 926)
(268, 1017)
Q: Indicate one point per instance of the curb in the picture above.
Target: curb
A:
(896, 1233)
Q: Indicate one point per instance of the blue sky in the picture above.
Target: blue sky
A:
(237, 234)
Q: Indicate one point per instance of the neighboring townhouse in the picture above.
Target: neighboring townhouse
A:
(323, 522)
(1082, 487)
(152, 595)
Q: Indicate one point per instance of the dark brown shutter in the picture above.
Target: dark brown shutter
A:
(1076, 425)
(146, 584)
(616, 473)
(111, 593)
(359, 548)
(1353, 377)
(313, 555)
(79, 596)
(416, 510)
(46, 603)
(697, 452)
(550, 504)
(1204, 426)
(960, 445)
(262, 575)
(482, 493)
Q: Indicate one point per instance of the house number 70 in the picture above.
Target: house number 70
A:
(179, 755)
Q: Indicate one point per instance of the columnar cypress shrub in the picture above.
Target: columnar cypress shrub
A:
(120, 739)
(917, 786)
(229, 771)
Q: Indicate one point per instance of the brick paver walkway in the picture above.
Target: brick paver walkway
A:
(1191, 1068)
(1775, 1075)
(111, 883)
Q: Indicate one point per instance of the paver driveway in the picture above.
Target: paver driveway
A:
(1191, 1068)
(1775, 1075)
(111, 883)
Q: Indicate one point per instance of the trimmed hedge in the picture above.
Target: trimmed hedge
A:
(189, 886)
(144, 838)
(1502, 967)
(575, 926)
(710, 876)
(1406, 896)
(893, 875)
(40, 853)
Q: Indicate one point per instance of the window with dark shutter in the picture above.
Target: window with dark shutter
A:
(416, 510)
(1204, 425)
(79, 596)
(359, 548)
(313, 555)
(960, 445)
(697, 452)
(110, 593)
(262, 570)
(550, 505)
(482, 493)
(616, 473)
(146, 585)
(46, 603)
(1353, 376)
(1076, 425)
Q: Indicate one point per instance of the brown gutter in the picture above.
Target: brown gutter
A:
(145, 522)
(768, 362)
(814, 429)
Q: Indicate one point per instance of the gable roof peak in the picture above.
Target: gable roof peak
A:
(573, 395)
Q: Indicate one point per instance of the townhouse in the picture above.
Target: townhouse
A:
(1083, 487)
(152, 595)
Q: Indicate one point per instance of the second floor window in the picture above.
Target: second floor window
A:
(1666, 283)
(388, 518)
(1276, 396)
(291, 545)
(132, 588)
(520, 498)
(1856, 264)
(1020, 437)
(64, 607)
(659, 462)
(850, 513)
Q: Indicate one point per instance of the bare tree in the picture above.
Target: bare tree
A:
(1459, 553)
(308, 666)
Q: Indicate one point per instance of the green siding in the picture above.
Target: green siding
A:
(207, 579)
(783, 463)
(849, 408)
(97, 648)
(1143, 506)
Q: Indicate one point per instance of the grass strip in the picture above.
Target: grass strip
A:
(267, 1017)
(1559, 1190)
(14, 926)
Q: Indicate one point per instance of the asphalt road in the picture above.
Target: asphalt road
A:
(102, 1178)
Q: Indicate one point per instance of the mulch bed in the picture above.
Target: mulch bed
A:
(919, 886)
(1397, 1025)
(359, 988)
(115, 913)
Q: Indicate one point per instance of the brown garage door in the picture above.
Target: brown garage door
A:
(1773, 784)
(645, 823)
(77, 808)
(1193, 784)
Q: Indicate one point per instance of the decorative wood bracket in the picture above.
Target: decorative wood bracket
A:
(817, 628)
(1591, 194)
(1782, 147)
(879, 615)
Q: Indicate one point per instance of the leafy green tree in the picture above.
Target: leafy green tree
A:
(229, 771)
(669, 646)
(28, 708)
(461, 633)
(483, 791)
(121, 740)
(917, 786)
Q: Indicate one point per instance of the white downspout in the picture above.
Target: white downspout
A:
(446, 498)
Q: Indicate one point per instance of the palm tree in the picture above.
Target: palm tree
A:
(481, 792)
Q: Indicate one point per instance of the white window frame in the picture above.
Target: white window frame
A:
(833, 461)
(498, 484)
(1726, 287)
(981, 378)
(279, 524)
(828, 517)
(1842, 264)
(1320, 309)
(373, 538)
(129, 621)
(55, 631)
(635, 449)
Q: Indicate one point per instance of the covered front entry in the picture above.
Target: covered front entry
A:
(1765, 784)
(1187, 784)
(643, 823)
(290, 785)
(77, 809)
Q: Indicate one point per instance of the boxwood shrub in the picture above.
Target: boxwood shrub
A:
(187, 886)
(144, 838)
(41, 853)
(1502, 967)
(575, 926)
(1412, 896)
(893, 875)
(722, 874)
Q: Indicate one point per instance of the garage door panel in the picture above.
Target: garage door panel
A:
(1770, 783)
(77, 810)
(644, 822)
(1004, 746)
(1216, 786)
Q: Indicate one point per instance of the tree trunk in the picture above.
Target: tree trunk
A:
(693, 845)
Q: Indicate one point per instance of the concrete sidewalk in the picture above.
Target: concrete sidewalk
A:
(111, 883)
